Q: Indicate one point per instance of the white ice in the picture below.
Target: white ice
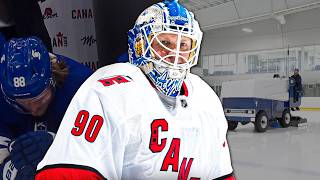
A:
(282, 153)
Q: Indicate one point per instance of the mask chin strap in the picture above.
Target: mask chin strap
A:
(176, 73)
(172, 73)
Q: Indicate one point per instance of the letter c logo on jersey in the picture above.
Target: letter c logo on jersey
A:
(115, 80)
(172, 156)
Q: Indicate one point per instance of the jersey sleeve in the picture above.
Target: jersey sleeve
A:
(90, 140)
(5, 138)
(7, 169)
(222, 169)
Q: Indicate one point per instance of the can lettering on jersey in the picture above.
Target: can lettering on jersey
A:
(172, 156)
(154, 146)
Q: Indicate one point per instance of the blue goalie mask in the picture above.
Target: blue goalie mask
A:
(25, 70)
(165, 43)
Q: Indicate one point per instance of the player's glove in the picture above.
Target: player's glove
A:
(9, 172)
(29, 149)
(26, 173)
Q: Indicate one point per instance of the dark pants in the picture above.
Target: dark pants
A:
(297, 94)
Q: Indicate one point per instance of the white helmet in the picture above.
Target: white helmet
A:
(165, 43)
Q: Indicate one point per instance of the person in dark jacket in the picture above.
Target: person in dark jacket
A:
(298, 86)
(23, 18)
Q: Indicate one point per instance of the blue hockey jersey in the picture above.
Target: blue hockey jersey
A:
(14, 124)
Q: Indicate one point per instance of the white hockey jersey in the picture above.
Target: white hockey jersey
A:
(117, 127)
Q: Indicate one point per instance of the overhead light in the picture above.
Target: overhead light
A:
(248, 30)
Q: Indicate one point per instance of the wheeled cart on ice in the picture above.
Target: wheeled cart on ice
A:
(260, 101)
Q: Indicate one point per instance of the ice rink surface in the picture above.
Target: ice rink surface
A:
(291, 153)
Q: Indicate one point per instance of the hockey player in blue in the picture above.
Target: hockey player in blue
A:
(37, 88)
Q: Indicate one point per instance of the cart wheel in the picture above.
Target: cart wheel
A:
(232, 125)
(286, 118)
(261, 122)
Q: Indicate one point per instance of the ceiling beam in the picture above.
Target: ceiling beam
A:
(237, 10)
(263, 16)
